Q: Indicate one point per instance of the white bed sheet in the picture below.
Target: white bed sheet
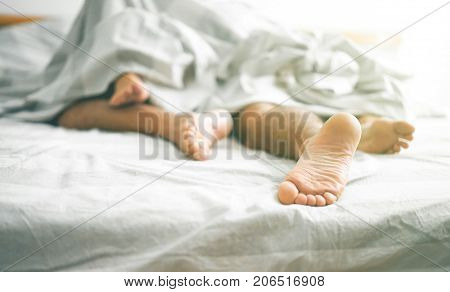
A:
(215, 215)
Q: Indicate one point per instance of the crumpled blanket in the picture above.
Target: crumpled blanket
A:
(198, 55)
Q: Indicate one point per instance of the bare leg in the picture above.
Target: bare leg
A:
(278, 130)
(182, 129)
(383, 135)
(325, 151)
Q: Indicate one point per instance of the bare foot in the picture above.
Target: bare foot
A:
(320, 175)
(383, 135)
(128, 89)
(197, 133)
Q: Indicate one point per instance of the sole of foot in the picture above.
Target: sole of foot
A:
(385, 136)
(321, 173)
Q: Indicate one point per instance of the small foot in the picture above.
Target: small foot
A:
(128, 90)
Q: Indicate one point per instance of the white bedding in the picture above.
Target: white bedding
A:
(214, 215)
(219, 53)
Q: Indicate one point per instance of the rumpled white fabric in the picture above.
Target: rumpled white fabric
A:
(200, 55)
(216, 215)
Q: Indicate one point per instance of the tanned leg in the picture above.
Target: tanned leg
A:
(182, 129)
(278, 130)
(324, 150)
(383, 135)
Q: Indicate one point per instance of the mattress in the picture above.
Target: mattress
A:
(103, 201)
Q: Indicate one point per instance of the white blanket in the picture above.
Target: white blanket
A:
(214, 215)
(219, 53)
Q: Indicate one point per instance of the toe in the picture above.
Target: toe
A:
(403, 144)
(203, 153)
(320, 201)
(197, 156)
(311, 200)
(329, 198)
(408, 137)
(193, 147)
(404, 128)
(198, 151)
(287, 193)
(301, 199)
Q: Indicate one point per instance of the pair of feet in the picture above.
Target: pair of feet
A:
(193, 138)
(321, 173)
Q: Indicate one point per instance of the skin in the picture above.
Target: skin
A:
(324, 150)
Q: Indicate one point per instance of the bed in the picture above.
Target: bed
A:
(103, 201)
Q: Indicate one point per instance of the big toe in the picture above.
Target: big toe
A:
(403, 128)
(287, 192)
